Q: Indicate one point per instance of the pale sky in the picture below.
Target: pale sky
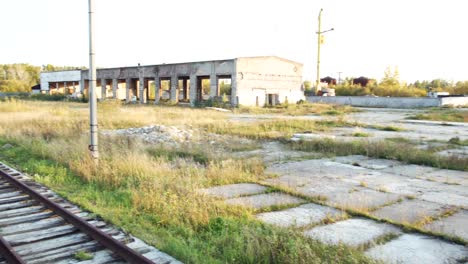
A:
(425, 39)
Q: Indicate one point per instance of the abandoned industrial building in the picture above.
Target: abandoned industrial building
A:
(242, 81)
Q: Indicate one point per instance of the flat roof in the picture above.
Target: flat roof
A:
(177, 63)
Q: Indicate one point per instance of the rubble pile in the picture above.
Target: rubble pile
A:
(155, 134)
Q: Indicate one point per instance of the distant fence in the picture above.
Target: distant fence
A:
(389, 102)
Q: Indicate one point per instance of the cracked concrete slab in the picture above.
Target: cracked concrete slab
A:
(315, 168)
(275, 152)
(234, 190)
(266, 200)
(300, 216)
(416, 249)
(379, 164)
(350, 159)
(353, 232)
(445, 198)
(411, 211)
(366, 162)
(456, 225)
(362, 199)
(324, 188)
(458, 152)
(447, 176)
(411, 170)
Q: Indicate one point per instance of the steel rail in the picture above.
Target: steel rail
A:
(8, 253)
(104, 239)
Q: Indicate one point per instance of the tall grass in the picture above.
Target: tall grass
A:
(383, 149)
(302, 108)
(448, 115)
(379, 90)
(152, 190)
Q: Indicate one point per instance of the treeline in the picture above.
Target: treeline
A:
(390, 85)
(20, 77)
(417, 89)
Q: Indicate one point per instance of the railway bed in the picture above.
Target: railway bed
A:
(38, 226)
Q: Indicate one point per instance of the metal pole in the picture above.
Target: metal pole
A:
(318, 50)
(93, 146)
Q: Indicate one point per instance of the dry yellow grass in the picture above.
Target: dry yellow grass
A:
(152, 191)
(59, 131)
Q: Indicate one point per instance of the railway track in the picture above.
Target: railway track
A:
(38, 226)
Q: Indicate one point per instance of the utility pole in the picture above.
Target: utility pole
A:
(339, 77)
(319, 42)
(318, 50)
(93, 124)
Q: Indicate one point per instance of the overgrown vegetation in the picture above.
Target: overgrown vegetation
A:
(302, 108)
(83, 255)
(20, 77)
(392, 86)
(385, 150)
(151, 191)
(276, 129)
(442, 114)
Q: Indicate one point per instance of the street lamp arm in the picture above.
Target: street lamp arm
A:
(321, 32)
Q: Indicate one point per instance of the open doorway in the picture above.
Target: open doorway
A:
(203, 88)
(184, 88)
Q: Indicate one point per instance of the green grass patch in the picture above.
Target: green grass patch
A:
(278, 129)
(83, 255)
(229, 236)
(385, 150)
(442, 114)
(174, 153)
(269, 130)
(457, 141)
(303, 108)
(360, 134)
(388, 128)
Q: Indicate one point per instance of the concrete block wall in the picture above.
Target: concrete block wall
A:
(389, 102)
(259, 76)
(454, 101)
(60, 76)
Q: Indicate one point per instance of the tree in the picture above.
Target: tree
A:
(307, 85)
(391, 79)
(18, 77)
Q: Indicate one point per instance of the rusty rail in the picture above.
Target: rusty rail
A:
(7, 252)
(104, 239)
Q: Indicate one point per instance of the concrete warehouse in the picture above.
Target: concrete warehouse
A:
(246, 81)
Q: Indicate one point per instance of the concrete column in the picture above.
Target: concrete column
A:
(82, 83)
(157, 90)
(234, 101)
(213, 85)
(103, 89)
(193, 89)
(142, 99)
(57, 87)
(44, 86)
(185, 89)
(115, 87)
(65, 90)
(174, 91)
(128, 85)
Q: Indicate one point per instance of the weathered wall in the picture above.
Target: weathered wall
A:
(258, 76)
(59, 76)
(252, 78)
(204, 68)
(455, 101)
(389, 102)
